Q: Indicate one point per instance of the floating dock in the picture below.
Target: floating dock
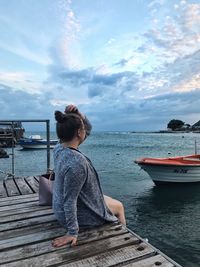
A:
(27, 229)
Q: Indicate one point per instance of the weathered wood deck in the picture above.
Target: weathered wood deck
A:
(27, 229)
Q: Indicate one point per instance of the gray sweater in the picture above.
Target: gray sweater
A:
(78, 200)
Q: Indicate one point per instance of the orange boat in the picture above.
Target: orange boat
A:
(184, 169)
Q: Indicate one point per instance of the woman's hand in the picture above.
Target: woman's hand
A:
(64, 240)
(74, 109)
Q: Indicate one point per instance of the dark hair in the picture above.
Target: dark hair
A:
(67, 125)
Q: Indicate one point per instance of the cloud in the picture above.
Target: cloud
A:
(111, 113)
(181, 75)
(95, 84)
(22, 50)
(128, 101)
(148, 114)
(130, 62)
(68, 52)
(121, 63)
(22, 105)
(178, 35)
(20, 42)
(191, 19)
(140, 82)
(156, 3)
(21, 81)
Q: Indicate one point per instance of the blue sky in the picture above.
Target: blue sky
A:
(129, 65)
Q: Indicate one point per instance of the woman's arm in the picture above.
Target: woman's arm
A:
(73, 183)
(87, 124)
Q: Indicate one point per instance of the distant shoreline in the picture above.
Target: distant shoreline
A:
(119, 131)
(166, 132)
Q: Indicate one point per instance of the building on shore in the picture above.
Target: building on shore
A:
(10, 133)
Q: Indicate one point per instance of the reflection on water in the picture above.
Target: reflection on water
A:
(175, 194)
(169, 216)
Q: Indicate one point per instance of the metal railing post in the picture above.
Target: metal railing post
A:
(13, 151)
(48, 144)
(11, 123)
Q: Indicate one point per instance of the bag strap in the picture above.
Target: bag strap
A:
(51, 174)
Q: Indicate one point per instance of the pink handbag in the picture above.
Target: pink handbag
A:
(46, 189)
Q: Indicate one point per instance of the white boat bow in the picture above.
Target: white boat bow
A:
(184, 169)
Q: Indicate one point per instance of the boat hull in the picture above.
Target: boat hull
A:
(36, 144)
(161, 174)
(28, 146)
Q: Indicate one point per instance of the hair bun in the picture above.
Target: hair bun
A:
(59, 116)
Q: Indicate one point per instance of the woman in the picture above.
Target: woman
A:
(78, 200)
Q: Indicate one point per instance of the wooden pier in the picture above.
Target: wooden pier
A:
(27, 229)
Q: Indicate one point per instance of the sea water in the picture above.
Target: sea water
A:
(168, 216)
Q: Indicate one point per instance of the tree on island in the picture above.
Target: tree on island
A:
(175, 124)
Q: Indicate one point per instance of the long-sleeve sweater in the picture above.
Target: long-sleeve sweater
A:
(78, 200)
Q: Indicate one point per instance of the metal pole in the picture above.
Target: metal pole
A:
(13, 151)
(11, 123)
(195, 146)
(48, 144)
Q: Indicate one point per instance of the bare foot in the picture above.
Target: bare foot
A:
(64, 240)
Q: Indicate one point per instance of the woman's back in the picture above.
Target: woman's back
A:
(77, 191)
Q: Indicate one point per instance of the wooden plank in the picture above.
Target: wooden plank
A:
(28, 230)
(11, 187)
(157, 260)
(14, 212)
(9, 202)
(33, 183)
(18, 206)
(32, 214)
(2, 190)
(5, 199)
(44, 247)
(50, 218)
(27, 222)
(115, 257)
(37, 178)
(23, 186)
(69, 254)
(9, 242)
(41, 235)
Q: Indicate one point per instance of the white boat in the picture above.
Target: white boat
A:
(36, 142)
(184, 169)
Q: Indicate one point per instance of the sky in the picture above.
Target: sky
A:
(129, 65)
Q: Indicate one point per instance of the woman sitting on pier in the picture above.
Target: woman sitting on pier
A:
(78, 200)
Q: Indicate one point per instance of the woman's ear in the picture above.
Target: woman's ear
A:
(79, 132)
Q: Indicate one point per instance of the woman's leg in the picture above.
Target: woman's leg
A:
(116, 207)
